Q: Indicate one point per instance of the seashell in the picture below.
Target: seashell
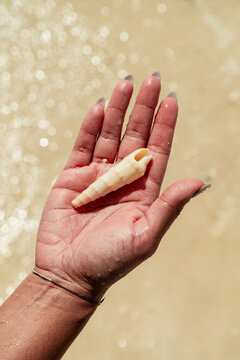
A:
(131, 168)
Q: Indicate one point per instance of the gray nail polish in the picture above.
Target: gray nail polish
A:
(101, 101)
(157, 74)
(130, 78)
(203, 188)
(173, 95)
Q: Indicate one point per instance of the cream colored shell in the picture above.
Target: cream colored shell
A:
(131, 168)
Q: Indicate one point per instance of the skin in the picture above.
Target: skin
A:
(86, 250)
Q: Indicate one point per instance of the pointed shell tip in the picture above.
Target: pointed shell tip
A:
(74, 204)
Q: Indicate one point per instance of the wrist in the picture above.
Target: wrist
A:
(57, 284)
(78, 288)
(41, 319)
(48, 295)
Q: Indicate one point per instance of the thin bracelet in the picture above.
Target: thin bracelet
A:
(91, 301)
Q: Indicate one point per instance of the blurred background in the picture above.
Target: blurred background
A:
(56, 59)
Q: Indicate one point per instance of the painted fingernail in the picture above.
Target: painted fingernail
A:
(157, 74)
(203, 188)
(130, 78)
(173, 95)
(101, 101)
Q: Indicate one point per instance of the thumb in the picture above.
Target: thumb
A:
(165, 209)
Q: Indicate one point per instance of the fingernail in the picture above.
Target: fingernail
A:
(203, 188)
(101, 101)
(130, 78)
(157, 74)
(173, 95)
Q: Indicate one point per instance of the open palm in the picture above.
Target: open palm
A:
(88, 249)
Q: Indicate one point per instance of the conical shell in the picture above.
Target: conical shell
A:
(131, 168)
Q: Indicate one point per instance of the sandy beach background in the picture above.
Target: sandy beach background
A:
(56, 59)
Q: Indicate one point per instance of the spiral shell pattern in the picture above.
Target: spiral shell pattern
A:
(131, 168)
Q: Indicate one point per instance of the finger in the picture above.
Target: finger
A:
(163, 211)
(140, 121)
(108, 141)
(82, 152)
(160, 140)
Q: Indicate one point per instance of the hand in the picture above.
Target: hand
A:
(88, 249)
